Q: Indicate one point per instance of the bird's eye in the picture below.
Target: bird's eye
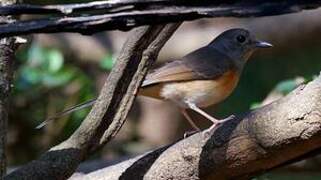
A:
(240, 38)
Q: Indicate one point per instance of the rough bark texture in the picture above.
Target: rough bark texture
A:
(6, 72)
(126, 14)
(265, 138)
(112, 106)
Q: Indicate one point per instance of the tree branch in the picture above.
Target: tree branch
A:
(111, 5)
(265, 138)
(7, 50)
(121, 85)
(126, 14)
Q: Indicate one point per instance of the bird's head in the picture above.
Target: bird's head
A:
(238, 44)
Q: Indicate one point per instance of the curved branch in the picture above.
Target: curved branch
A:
(265, 138)
(112, 106)
(125, 14)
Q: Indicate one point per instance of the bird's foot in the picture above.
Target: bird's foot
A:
(217, 124)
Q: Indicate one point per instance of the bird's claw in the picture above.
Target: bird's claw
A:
(216, 125)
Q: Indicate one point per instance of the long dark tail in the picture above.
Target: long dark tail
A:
(67, 111)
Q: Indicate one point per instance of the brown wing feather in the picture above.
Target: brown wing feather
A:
(204, 63)
(173, 71)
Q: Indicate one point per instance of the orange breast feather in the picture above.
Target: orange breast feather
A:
(228, 81)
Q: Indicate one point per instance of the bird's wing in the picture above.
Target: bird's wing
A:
(173, 71)
(203, 63)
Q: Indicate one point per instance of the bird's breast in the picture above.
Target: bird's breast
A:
(203, 93)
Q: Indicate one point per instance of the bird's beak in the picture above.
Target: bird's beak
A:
(262, 44)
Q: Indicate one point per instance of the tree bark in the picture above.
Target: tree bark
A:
(271, 136)
(126, 14)
(109, 111)
(7, 50)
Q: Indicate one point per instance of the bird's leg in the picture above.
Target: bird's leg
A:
(209, 117)
(203, 113)
(219, 122)
(189, 119)
(191, 122)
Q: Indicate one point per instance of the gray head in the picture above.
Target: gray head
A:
(238, 44)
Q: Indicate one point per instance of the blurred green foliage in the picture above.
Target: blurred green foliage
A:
(45, 69)
(45, 82)
(286, 86)
(281, 89)
(107, 62)
(42, 67)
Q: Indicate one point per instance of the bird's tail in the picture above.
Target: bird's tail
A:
(67, 111)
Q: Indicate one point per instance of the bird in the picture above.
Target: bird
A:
(204, 77)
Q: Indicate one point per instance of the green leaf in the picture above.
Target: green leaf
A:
(31, 75)
(57, 79)
(287, 86)
(255, 105)
(55, 60)
(36, 55)
(107, 62)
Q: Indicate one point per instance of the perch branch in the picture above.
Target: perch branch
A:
(268, 137)
(125, 14)
(120, 86)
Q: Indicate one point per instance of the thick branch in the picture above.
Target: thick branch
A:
(127, 14)
(7, 50)
(148, 58)
(265, 138)
(62, 160)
